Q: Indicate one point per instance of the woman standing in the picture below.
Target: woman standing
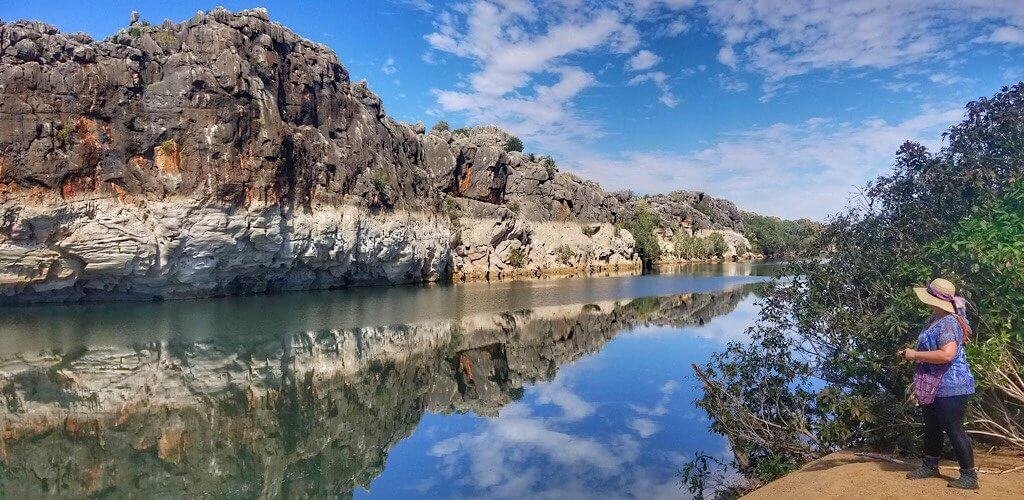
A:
(943, 382)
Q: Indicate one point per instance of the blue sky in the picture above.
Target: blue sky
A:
(783, 106)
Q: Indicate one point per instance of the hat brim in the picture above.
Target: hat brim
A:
(931, 300)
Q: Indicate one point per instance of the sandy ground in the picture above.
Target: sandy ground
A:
(847, 475)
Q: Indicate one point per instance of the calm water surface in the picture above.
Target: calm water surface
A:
(567, 388)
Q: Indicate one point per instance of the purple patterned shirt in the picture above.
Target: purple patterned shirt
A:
(958, 380)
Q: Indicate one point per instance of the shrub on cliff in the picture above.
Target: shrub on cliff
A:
(517, 257)
(549, 164)
(820, 372)
(440, 126)
(565, 255)
(513, 144)
(641, 225)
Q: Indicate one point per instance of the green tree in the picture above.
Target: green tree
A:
(691, 247)
(641, 225)
(441, 126)
(819, 367)
(717, 245)
(514, 144)
(777, 237)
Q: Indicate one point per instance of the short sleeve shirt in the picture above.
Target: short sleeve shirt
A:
(958, 379)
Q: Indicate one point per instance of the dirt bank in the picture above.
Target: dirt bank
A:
(847, 475)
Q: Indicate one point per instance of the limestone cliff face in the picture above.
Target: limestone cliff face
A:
(226, 154)
(221, 155)
(516, 215)
(293, 414)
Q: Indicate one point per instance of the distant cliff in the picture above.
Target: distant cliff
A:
(227, 155)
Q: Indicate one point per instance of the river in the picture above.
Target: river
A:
(573, 388)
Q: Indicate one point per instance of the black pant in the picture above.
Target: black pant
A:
(947, 414)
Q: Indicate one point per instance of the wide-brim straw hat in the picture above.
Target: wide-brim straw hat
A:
(933, 293)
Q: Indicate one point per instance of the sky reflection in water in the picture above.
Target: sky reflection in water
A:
(575, 388)
(619, 423)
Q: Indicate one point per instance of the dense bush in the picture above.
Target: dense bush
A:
(641, 224)
(513, 144)
(717, 244)
(696, 247)
(692, 247)
(565, 255)
(820, 372)
(441, 126)
(517, 257)
(777, 237)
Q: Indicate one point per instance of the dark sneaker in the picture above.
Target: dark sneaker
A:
(929, 468)
(968, 480)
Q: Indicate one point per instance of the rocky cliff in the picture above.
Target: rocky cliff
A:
(305, 414)
(226, 155)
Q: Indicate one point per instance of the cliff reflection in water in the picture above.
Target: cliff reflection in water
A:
(307, 414)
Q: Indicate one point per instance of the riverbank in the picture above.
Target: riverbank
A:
(846, 474)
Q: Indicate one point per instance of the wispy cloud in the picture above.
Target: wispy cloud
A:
(512, 43)
(388, 68)
(660, 80)
(516, 454)
(644, 427)
(810, 169)
(421, 5)
(731, 83)
(1007, 34)
(530, 66)
(783, 38)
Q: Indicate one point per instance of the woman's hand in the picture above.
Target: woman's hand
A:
(908, 354)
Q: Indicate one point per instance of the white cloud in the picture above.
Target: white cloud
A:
(1008, 34)
(513, 42)
(644, 427)
(388, 68)
(943, 78)
(661, 407)
(783, 38)
(642, 60)
(516, 454)
(677, 27)
(727, 56)
(573, 407)
(809, 169)
(421, 5)
(731, 83)
(660, 80)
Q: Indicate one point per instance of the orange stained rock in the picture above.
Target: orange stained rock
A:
(467, 177)
(168, 157)
(171, 446)
(466, 365)
(93, 480)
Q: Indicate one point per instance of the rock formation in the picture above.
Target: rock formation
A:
(227, 155)
(282, 415)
